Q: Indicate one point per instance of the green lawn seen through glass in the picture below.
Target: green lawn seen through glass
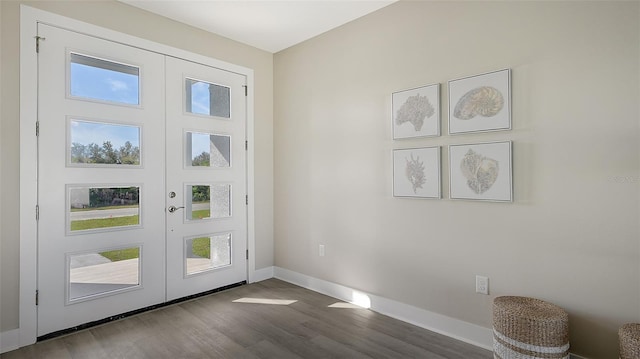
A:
(85, 224)
(102, 208)
(122, 254)
(201, 214)
(201, 247)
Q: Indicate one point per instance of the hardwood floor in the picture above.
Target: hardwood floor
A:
(215, 326)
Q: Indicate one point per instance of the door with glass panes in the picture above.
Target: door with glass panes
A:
(206, 172)
(141, 180)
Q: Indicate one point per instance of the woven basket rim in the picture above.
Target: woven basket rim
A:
(529, 309)
(630, 331)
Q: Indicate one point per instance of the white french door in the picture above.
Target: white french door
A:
(128, 137)
(206, 172)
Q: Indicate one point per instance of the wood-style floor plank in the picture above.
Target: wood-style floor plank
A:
(215, 326)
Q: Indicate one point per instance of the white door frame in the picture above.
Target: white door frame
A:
(29, 17)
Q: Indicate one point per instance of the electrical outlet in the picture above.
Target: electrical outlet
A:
(321, 250)
(482, 285)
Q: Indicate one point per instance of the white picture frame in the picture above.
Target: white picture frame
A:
(417, 172)
(481, 171)
(416, 112)
(480, 103)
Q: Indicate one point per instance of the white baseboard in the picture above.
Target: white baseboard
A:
(9, 340)
(262, 274)
(467, 332)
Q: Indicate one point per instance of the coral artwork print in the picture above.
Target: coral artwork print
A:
(415, 110)
(481, 172)
(415, 173)
(485, 101)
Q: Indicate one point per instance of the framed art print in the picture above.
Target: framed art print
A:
(416, 172)
(416, 112)
(481, 171)
(480, 103)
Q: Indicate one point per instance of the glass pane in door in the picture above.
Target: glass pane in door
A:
(98, 143)
(103, 208)
(97, 273)
(208, 150)
(103, 80)
(208, 201)
(205, 98)
(207, 252)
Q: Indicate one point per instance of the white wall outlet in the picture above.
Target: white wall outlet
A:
(321, 250)
(482, 285)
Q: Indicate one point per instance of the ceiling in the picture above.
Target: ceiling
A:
(266, 24)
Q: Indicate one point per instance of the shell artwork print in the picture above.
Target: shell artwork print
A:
(485, 101)
(481, 172)
(415, 110)
(415, 172)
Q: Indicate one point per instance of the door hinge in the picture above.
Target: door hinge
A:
(37, 212)
(246, 198)
(37, 297)
(37, 128)
(247, 254)
(246, 145)
(38, 38)
(246, 90)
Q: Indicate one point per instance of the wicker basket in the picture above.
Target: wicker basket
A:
(629, 336)
(528, 327)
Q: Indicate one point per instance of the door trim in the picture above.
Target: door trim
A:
(29, 18)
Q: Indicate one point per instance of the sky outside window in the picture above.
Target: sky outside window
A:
(208, 99)
(200, 142)
(85, 133)
(104, 80)
(200, 98)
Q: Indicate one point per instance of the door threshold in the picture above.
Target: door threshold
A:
(134, 312)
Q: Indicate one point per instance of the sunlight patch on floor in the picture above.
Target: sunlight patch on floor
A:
(265, 301)
(360, 299)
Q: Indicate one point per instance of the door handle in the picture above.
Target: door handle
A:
(173, 208)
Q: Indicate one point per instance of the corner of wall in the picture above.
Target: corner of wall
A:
(262, 274)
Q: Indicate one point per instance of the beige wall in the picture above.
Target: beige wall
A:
(130, 20)
(571, 236)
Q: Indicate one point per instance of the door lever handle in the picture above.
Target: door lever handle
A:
(173, 208)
